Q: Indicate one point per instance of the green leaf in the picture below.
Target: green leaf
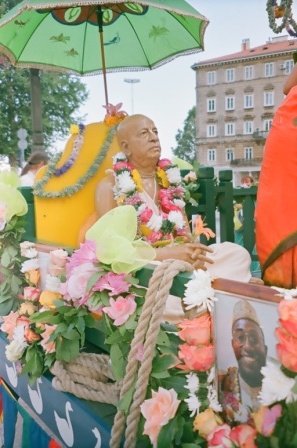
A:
(117, 362)
(125, 402)
(166, 435)
(67, 350)
(94, 279)
(163, 362)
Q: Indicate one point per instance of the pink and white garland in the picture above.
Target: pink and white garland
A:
(155, 228)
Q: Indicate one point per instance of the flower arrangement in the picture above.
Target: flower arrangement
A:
(170, 223)
(281, 11)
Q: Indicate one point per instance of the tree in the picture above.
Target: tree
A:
(62, 95)
(186, 138)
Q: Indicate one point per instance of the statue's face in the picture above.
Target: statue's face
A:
(141, 143)
(249, 349)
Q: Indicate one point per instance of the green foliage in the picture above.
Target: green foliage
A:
(12, 280)
(61, 97)
(186, 138)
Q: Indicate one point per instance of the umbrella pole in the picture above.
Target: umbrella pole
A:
(100, 22)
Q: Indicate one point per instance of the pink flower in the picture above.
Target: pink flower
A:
(164, 163)
(287, 349)
(55, 270)
(31, 293)
(115, 283)
(59, 257)
(244, 436)
(10, 322)
(122, 165)
(219, 437)
(146, 215)
(288, 315)
(121, 309)
(86, 253)
(190, 177)
(78, 280)
(196, 331)
(265, 419)
(157, 411)
(48, 347)
(196, 358)
(153, 237)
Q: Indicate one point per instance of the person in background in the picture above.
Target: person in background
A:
(246, 182)
(276, 212)
(36, 160)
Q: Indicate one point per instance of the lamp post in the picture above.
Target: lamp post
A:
(132, 81)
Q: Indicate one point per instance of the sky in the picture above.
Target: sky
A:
(167, 93)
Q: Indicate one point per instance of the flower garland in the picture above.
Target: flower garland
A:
(157, 229)
(284, 11)
(78, 142)
(71, 190)
(112, 118)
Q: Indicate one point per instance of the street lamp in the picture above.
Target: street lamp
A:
(132, 81)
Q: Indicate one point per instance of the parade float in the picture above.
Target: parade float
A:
(83, 340)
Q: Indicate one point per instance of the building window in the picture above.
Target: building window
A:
(288, 66)
(248, 72)
(211, 78)
(248, 127)
(248, 101)
(211, 105)
(211, 155)
(269, 69)
(230, 75)
(229, 154)
(230, 103)
(211, 130)
(268, 99)
(229, 128)
(248, 153)
(267, 124)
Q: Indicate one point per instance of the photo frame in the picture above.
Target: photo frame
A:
(239, 362)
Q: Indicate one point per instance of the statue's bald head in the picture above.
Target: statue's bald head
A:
(128, 126)
(138, 138)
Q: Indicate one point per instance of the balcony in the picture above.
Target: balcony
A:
(246, 162)
(260, 136)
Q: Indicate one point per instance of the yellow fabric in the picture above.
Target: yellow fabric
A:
(59, 220)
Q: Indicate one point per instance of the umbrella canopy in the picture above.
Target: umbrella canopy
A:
(63, 34)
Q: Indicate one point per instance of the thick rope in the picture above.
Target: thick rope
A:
(87, 377)
(146, 333)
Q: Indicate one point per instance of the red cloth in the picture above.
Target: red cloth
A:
(276, 209)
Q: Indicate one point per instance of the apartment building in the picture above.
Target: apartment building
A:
(236, 98)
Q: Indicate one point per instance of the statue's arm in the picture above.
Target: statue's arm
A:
(104, 196)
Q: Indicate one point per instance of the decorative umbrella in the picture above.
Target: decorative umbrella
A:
(62, 35)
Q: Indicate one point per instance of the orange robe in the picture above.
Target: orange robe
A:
(276, 209)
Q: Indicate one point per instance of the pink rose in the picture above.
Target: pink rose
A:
(164, 163)
(219, 437)
(115, 283)
(48, 347)
(59, 257)
(55, 270)
(9, 324)
(120, 309)
(190, 177)
(244, 436)
(78, 280)
(287, 349)
(157, 412)
(31, 293)
(196, 358)
(196, 331)
(121, 165)
(153, 237)
(288, 315)
(85, 254)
